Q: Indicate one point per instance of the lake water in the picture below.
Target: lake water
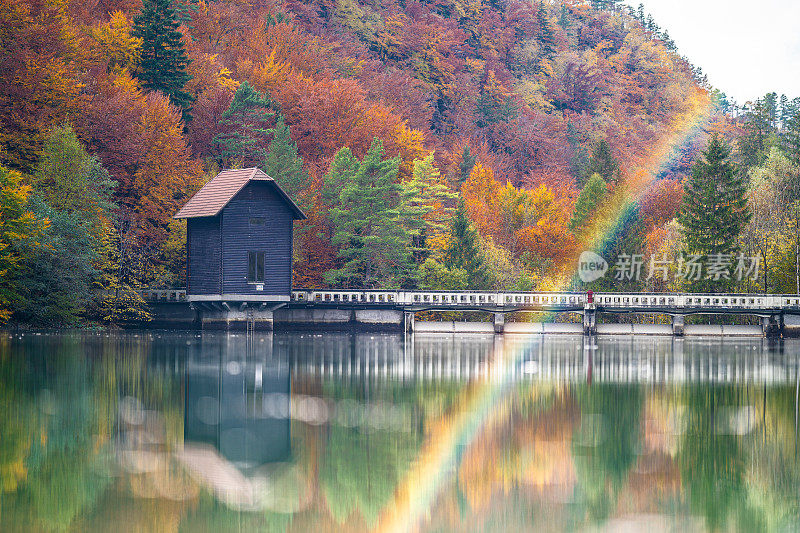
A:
(157, 431)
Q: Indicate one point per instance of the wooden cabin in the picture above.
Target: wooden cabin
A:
(239, 239)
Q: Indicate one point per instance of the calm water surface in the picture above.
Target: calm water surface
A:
(154, 431)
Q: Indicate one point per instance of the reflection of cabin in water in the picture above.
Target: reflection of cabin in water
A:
(241, 408)
(239, 239)
(239, 247)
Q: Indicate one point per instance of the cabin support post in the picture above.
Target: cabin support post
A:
(499, 322)
(678, 325)
(237, 317)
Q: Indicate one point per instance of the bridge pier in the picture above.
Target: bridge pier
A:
(678, 325)
(770, 326)
(590, 320)
(499, 322)
(408, 321)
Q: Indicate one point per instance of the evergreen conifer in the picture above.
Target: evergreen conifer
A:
(425, 205)
(545, 37)
(466, 164)
(343, 167)
(590, 197)
(752, 143)
(163, 57)
(603, 162)
(714, 209)
(464, 252)
(282, 162)
(368, 229)
(245, 128)
(790, 139)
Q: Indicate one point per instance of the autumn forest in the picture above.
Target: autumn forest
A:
(436, 144)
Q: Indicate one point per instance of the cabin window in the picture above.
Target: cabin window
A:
(255, 267)
(257, 221)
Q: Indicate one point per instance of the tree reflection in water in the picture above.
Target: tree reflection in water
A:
(156, 431)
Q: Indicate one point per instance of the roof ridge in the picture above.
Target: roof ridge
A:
(220, 190)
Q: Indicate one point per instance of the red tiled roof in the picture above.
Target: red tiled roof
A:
(214, 195)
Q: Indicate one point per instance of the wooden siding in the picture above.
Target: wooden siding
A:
(258, 199)
(205, 255)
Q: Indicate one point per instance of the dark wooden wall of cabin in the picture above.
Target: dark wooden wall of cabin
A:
(205, 255)
(257, 199)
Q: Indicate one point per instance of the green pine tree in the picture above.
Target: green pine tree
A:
(163, 57)
(620, 247)
(245, 128)
(55, 279)
(603, 162)
(790, 138)
(466, 164)
(753, 143)
(547, 43)
(590, 197)
(282, 162)
(464, 252)
(714, 209)
(783, 113)
(771, 109)
(184, 9)
(563, 17)
(368, 226)
(640, 13)
(343, 167)
(421, 195)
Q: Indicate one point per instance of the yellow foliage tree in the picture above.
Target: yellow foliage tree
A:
(113, 43)
(19, 233)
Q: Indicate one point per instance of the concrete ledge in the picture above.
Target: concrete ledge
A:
(615, 329)
(380, 317)
(473, 327)
(715, 330)
(563, 328)
(172, 315)
(745, 331)
(312, 317)
(454, 327)
(524, 328)
(653, 329)
(635, 329)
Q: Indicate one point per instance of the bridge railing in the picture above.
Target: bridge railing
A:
(549, 300)
(727, 301)
(163, 295)
(543, 300)
(440, 298)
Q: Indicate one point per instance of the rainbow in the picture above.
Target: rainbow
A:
(437, 461)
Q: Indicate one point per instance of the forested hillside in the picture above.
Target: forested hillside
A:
(444, 144)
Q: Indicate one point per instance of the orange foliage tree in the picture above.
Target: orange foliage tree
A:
(40, 75)
(140, 139)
